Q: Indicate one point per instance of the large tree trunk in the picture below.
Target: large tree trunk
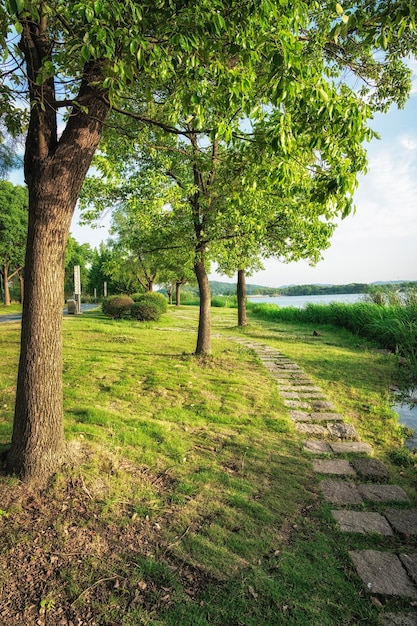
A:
(54, 172)
(204, 322)
(241, 298)
(6, 285)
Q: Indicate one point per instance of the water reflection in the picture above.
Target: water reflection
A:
(408, 416)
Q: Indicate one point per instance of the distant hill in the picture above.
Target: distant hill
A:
(226, 289)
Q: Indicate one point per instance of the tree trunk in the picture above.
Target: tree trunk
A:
(204, 322)
(22, 287)
(178, 293)
(54, 172)
(6, 285)
(241, 298)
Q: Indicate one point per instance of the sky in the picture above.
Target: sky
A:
(378, 242)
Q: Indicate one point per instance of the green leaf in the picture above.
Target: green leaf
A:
(339, 9)
(89, 13)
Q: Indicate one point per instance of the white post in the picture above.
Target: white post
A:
(77, 287)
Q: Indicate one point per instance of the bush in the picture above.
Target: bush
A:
(137, 296)
(117, 307)
(157, 299)
(145, 311)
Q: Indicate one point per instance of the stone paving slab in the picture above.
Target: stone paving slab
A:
(290, 375)
(312, 430)
(296, 404)
(290, 394)
(410, 563)
(319, 416)
(350, 447)
(319, 405)
(371, 469)
(404, 521)
(300, 416)
(340, 492)
(362, 522)
(342, 431)
(333, 466)
(382, 572)
(397, 619)
(300, 388)
(383, 493)
(317, 447)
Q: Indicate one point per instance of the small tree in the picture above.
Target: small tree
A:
(13, 227)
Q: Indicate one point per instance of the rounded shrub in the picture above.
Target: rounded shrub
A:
(137, 296)
(117, 307)
(158, 299)
(145, 311)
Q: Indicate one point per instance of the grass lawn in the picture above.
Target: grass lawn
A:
(190, 501)
(11, 309)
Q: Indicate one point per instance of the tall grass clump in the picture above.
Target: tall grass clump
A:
(227, 302)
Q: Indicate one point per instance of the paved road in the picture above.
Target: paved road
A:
(15, 317)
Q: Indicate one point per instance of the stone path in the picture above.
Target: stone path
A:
(354, 487)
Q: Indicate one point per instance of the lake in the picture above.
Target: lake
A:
(301, 301)
(408, 417)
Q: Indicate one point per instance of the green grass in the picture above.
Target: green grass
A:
(191, 501)
(11, 309)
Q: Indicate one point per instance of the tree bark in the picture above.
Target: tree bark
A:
(178, 293)
(54, 172)
(22, 286)
(241, 298)
(6, 285)
(204, 322)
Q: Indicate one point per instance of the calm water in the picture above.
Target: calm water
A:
(408, 416)
(300, 301)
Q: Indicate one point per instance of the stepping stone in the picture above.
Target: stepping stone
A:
(289, 394)
(317, 447)
(340, 492)
(342, 431)
(300, 416)
(287, 387)
(363, 523)
(312, 429)
(404, 521)
(382, 572)
(371, 469)
(350, 447)
(333, 466)
(317, 416)
(318, 405)
(296, 404)
(397, 619)
(410, 563)
(291, 367)
(383, 493)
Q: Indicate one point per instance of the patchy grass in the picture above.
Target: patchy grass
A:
(190, 501)
(11, 309)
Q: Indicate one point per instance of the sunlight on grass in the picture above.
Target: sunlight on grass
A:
(190, 490)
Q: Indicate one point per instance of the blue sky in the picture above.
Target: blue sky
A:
(378, 242)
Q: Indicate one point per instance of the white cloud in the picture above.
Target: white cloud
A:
(408, 142)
